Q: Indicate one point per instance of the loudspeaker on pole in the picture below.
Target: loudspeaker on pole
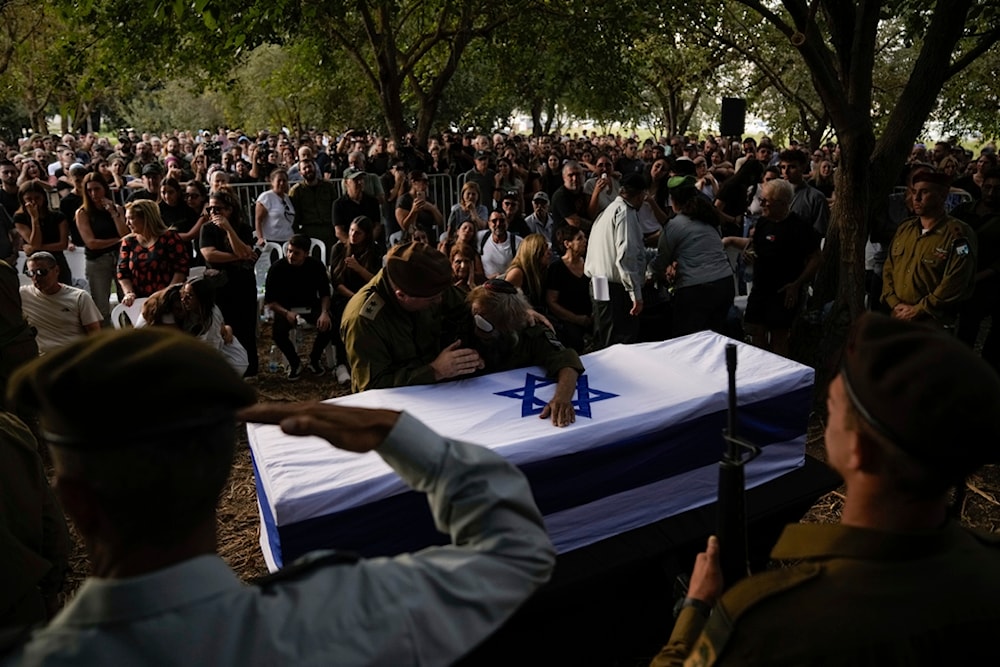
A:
(734, 112)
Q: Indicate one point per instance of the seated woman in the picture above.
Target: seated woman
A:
(505, 340)
(152, 257)
(567, 289)
(528, 269)
(468, 208)
(463, 266)
(191, 308)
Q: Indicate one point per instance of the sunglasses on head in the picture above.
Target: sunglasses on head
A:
(41, 273)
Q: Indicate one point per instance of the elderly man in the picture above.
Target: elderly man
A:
(616, 257)
(394, 327)
(931, 264)
(570, 204)
(899, 581)
(541, 221)
(785, 256)
(59, 313)
(144, 500)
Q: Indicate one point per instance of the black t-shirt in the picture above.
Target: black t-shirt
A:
(574, 292)
(69, 205)
(782, 250)
(181, 217)
(297, 286)
(566, 203)
(346, 209)
(425, 219)
(239, 271)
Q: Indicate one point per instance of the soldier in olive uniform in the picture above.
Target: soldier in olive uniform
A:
(931, 264)
(402, 327)
(506, 339)
(911, 414)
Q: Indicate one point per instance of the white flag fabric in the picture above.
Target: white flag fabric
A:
(645, 446)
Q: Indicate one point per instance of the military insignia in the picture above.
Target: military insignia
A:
(372, 307)
(961, 247)
(770, 238)
(550, 336)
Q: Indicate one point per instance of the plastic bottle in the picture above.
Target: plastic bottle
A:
(299, 323)
(274, 360)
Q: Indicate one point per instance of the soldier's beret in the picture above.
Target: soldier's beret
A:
(168, 382)
(418, 269)
(925, 391)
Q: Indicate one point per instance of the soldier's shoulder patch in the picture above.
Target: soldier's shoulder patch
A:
(554, 341)
(373, 306)
(961, 246)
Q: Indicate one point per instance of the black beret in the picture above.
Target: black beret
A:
(418, 269)
(171, 382)
(925, 391)
(932, 177)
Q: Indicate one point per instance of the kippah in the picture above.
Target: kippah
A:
(499, 286)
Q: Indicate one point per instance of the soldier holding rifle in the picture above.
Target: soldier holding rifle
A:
(899, 580)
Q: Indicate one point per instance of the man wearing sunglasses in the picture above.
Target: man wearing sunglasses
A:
(58, 312)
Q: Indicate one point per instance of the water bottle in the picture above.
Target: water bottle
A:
(274, 360)
(299, 323)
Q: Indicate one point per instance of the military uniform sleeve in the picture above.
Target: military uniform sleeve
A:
(687, 628)
(889, 296)
(959, 275)
(433, 606)
(548, 351)
(368, 340)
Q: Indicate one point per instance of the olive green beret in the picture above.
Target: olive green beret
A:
(117, 387)
(418, 269)
(925, 391)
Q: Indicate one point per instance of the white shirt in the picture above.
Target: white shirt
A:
(497, 257)
(277, 225)
(59, 318)
(615, 249)
(425, 608)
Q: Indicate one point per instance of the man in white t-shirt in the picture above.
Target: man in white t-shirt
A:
(497, 245)
(58, 312)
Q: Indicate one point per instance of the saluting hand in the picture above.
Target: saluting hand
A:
(350, 429)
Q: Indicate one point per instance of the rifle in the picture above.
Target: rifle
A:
(731, 507)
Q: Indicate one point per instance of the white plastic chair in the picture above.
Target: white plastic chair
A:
(125, 317)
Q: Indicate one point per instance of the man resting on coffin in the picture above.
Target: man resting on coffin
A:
(505, 339)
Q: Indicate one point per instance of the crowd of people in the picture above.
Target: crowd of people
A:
(553, 248)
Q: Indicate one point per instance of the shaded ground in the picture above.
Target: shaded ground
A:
(239, 525)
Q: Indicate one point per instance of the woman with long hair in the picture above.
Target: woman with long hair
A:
(691, 255)
(227, 245)
(469, 207)
(528, 268)
(41, 228)
(822, 180)
(32, 170)
(507, 181)
(567, 289)
(101, 224)
(152, 257)
(551, 173)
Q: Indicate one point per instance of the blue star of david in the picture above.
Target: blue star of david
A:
(532, 405)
